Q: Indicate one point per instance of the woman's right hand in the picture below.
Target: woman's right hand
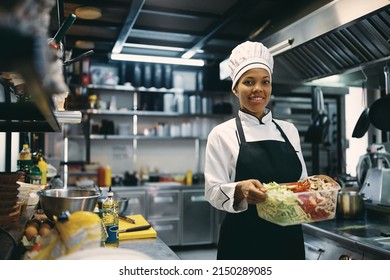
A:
(252, 190)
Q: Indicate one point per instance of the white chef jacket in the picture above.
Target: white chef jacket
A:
(222, 152)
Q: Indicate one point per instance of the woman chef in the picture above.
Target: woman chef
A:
(245, 151)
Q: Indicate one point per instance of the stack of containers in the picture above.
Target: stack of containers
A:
(9, 205)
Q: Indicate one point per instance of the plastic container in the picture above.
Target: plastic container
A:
(297, 208)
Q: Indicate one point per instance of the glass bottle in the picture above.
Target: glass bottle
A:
(110, 219)
(25, 163)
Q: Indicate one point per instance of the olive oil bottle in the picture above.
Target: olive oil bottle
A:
(110, 219)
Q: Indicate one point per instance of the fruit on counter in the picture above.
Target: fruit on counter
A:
(45, 228)
(31, 231)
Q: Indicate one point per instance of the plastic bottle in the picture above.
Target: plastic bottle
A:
(25, 163)
(42, 165)
(35, 175)
(110, 219)
(107, 176)
(189, 178)
(101, 176)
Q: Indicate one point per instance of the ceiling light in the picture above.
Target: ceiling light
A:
(81, 44)
(153, 47)
(281, 47)
(158, 59)
(88, 12)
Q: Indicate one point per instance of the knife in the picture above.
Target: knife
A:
(127, 219)
(145, 227)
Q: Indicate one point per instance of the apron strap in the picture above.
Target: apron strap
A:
(283, 135)
(241, 136)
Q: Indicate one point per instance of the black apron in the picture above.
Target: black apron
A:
(244, 235)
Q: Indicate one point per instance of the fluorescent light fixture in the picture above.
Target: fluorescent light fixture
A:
(281, 47)
(153, 47)
(157, 59)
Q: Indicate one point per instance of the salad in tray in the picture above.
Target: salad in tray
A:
(309, 200)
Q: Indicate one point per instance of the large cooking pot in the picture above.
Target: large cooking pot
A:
(350, 204)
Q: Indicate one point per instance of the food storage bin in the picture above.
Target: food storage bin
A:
(297, 208)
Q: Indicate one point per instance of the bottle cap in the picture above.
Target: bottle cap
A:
(110, 192)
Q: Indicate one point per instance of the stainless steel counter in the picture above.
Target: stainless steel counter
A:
(155, 248)
(367, 238)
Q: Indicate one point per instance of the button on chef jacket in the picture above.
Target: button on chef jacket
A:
(222, 151)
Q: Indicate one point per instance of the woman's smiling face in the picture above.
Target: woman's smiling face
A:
(253, 89)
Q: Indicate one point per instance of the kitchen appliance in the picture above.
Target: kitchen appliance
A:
(373, 174)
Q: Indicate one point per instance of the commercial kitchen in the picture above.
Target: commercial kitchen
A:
(105, 108)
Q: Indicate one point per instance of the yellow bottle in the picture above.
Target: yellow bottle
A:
(107, 176)
(189, 178)
(42, 165)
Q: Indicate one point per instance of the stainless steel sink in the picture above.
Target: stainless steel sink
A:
(363, 231)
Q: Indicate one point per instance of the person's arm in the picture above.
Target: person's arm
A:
(220, 189)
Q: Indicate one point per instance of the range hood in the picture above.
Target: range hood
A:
(342, 37)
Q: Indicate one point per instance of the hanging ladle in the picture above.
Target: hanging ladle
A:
(363, 122)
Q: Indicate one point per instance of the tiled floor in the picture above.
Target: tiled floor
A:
(196, 252)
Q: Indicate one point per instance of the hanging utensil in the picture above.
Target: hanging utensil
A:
(64, 28)
(318, 130)
(363, 122)
(380, 110)
(78, 58)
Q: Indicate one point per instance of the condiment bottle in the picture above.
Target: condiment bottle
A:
(110, 219)
(189, 178)
(35, 175)
(107, 176)
(42, 165)
(25, 163)
(101, 176)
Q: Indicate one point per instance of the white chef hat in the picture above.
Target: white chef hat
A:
(249, 55)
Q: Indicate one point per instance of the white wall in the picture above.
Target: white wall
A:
(357, 146)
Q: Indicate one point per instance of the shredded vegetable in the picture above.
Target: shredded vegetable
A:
(309, 200)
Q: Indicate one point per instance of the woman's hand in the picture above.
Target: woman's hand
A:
(251, 190)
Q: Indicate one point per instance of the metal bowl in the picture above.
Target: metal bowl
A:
(56, 201)
(123, 203)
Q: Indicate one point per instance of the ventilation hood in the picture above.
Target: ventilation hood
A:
(343, 37)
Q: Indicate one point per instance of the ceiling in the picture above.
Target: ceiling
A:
(209, 28)
(204, 29)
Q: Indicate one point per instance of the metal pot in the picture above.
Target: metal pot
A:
(350, 204)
